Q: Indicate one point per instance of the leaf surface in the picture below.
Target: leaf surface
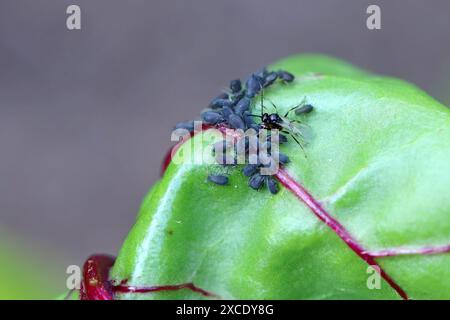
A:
(378, 163)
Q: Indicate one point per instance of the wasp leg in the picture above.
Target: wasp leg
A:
(296, 140)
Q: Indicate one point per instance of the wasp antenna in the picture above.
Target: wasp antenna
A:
(273, 105)
(301, 104)
(262, 103)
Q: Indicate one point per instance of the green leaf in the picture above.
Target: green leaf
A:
(378, 162)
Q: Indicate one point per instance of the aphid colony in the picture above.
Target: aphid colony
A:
(231, 109)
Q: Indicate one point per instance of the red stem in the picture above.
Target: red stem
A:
(168, 157)
(408, 251)
(300, 192)
(133, 289)
(95, 284)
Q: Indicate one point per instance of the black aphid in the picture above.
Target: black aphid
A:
(272, 184)
(243, 105)
(256, 181)
(188, 125)
(249, 170)
(270, 79)
(285, 76)
(218, 179)
(212, 117)
(226, 112)
(238, 96)
(236, 122)
(220, 103)
(214, 102)
(284, 159)
(235, 86)
(307, 108)
(254, 85)
(248, 118)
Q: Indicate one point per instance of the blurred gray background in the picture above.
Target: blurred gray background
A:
(85, 116)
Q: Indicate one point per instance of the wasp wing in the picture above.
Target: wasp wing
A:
(298, 129)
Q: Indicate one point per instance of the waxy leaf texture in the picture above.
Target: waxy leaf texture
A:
(374, 190)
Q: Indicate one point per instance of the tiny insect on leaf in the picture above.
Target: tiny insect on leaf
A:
(235, 86)
(270, 79)
(284, 159)
(212, 117)
(220, 103)
(307, 108)
(272, 185)
(243, 105)
(236, 122)
(250, 170)
(256, 181)
(218, 179)
(286, 76)
(254, 85)
(188, 125)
